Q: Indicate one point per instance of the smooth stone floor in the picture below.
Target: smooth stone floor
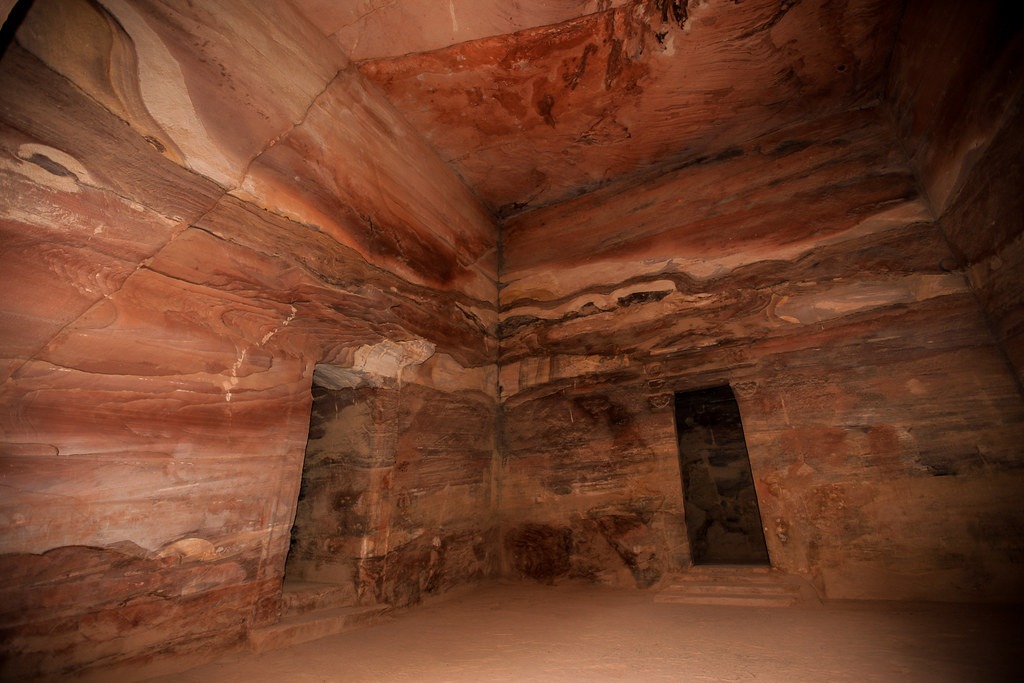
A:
(515, 632)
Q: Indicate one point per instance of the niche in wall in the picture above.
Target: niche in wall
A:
(338, 508)
(723, 521)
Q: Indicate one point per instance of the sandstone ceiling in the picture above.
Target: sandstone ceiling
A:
(535, 102)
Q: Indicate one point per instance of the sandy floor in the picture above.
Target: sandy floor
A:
(572, 633)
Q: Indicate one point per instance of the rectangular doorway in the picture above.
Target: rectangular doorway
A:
(723, 520)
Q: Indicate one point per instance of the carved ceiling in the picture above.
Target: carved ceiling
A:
(535, 102)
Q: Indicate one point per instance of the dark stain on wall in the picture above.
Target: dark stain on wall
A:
(540, 552)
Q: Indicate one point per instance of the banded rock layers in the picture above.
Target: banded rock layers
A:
(429, 301)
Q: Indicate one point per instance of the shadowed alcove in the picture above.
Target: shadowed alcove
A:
(317, 312)
(337, 507)
(722, 516)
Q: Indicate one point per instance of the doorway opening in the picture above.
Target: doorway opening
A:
(723, 520)
(342, 516)
(329, 517)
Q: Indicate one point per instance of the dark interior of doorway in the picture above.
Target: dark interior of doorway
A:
(330, 519)
(722, 517)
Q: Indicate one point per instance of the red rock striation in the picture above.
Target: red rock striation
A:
(248, 284)
(805, 271)
(962, 127)
(550, 112)
(199, 208)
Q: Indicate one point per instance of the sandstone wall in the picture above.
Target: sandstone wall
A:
(804, 270)
(383, 467)
(557, 110)
(205, 212)
(201, 206)
(958, 101)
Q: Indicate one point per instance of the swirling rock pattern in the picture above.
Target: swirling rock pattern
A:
(454, 260)
(805, 270)
(560, 109)
(199, 207)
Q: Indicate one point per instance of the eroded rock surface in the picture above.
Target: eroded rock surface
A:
(207, 209)
(550, 112)
(200, 205)
(803, 270)
(963, 129)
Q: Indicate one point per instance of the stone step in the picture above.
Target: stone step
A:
(733, 569)
(724, 587)
(738, 578)
(728, 599)
(738, 586)
(302, 628)
(301, 597)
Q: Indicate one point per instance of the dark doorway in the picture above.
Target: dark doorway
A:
(722, 517)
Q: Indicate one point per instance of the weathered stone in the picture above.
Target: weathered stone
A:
(963, 129)
(830, 261)
(245, 293)
(159, 351)
(539, 552)
(408, 26)
(558, 110)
